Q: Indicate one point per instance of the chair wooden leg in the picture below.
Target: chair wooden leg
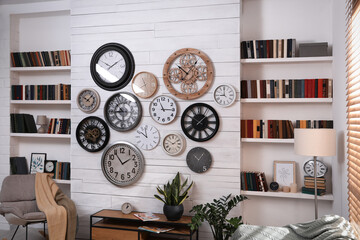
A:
(26, 232)
(15, 232)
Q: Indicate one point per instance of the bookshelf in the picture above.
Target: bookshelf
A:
(327, 197)
(35, 32)
(287, 60)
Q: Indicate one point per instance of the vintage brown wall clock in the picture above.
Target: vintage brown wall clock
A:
(188, 73)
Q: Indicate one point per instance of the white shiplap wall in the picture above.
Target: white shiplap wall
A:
(153, 30)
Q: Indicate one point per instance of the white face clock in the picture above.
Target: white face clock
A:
(163, 109)
(147, 137)
(88, 100)
(321, 168)
(224, 95)
(49, 166)
(126, 208)
(173, 144)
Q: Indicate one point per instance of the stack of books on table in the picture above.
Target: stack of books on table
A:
(309, 185)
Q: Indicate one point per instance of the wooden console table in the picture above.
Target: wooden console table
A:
(114, 225)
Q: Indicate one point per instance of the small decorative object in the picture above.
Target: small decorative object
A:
(163, 109)
(50, 166)
(123, 111)
(319, 49)
(147, 137)
(198, 159)
(126, 208)
(173, 197)
(188, 73)
(122, 163)
(173, 143)
(286, 189)
(215, 214)
(321, 168)
(88, 100)
(224, 95)
(112, 66)
(274, 186)
(92, 134)
(200, 122)
(144, 84)
(284, 173)
(42, 121)
(293, 188)
(37, 162)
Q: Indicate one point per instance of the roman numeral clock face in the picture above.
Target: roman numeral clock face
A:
(200, 122)
(123, 111)
(224, 95)
(321, 168)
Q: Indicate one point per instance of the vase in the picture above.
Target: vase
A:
(173, 213)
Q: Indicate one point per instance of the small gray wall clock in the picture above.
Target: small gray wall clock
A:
(88, 100)
(123, 111)
(147, 137)
(122, 163)
(199, 159)
(173, 143)
(144, 84)
(112, 66)
(163, 109)
(92, 134)
(224, 95)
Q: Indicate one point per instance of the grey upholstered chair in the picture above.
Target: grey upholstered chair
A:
(18, 202)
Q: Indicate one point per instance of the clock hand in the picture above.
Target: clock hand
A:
(182, 69)
(143, 82)
(113, 65)
(119, 159)
(200, 120)
(127, 161)
(193, 65)
(162, 108)
(201, 156)
(104, 62)
(146, 133)
(195, 157)
(193, 119)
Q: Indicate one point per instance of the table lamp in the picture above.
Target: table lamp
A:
(315, 142)
(41, 120)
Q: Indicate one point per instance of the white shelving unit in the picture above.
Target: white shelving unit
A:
(40, 69)
(39, 135)
(287, 60)
(327, 197)
(286, 100)
(267, 140)
(42, 102)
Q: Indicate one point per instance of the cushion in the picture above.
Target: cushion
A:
(18, 188)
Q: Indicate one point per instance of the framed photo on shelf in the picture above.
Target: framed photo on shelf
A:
(284, 173)
(37, 162)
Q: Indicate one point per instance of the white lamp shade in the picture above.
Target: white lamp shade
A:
(315, 142)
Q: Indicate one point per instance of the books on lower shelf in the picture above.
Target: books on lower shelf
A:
(22, 123)
(314, 124)
(287, 88)
(267, 129)
(273, 48)
(59, 126)
(146, 216)
(62, 170)
(41, 59)
(41, 92)
(154, 229)
(309, 185)
(253, 181)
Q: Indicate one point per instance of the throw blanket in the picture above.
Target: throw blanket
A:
(329, 227)
(60, 211)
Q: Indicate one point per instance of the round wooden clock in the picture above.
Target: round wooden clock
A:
(321, 168)
(163, 109)
(173, 143)
(147, 137)
(92, 134)
(200, 122)
(224, 95)
(88, 100)
(112, 66)
(122, 163)
(144, 84)
(198, 159)
(188, 73)
(123, 111)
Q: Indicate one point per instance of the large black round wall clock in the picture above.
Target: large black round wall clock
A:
(92, 134)
(200, 122)
(112, 66)
(123, 111)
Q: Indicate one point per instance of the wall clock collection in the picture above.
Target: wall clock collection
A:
(188, 74)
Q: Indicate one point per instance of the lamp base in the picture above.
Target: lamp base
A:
(42, 129)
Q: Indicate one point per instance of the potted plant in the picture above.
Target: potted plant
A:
(173, 197)
(215, 214)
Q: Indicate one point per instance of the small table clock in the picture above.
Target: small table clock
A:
(126, 208)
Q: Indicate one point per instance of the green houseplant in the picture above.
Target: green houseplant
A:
(173, 196)
(215, 214)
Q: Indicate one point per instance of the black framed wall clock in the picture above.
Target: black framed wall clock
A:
(199, 159)
(122, 163)
(123, 111)
(112, 66)
(88, 100)
(200, 122)
(163, 109)
(50, 166)
(92, 134)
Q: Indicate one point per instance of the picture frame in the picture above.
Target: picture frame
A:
(285, 172)
(37, 162)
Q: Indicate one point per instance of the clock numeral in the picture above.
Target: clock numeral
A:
(133, 170)
(111, 169)
(128, 175)
(122, 150)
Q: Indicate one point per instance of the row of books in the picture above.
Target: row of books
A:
(41, 92)
(59, 126)
(62, 170)
(309, 186)
(274, 48)
(314, 124)
(253, 181)
(287, 88)
(41, 59)
(267, 129)
(22, 123)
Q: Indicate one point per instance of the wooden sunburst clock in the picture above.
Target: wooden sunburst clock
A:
(188, 73)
